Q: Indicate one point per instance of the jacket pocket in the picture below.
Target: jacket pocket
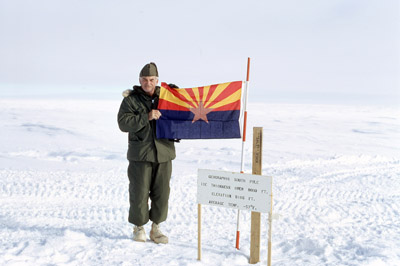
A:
(142, 135)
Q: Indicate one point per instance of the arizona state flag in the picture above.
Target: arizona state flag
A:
(209, 112)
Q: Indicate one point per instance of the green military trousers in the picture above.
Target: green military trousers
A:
(147, 179)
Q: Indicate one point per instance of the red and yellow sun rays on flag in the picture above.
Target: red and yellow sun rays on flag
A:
(202, 100)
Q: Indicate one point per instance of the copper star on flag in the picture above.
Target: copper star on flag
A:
(200, 112)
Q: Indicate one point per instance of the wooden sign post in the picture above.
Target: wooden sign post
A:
(199, 232)
(256, 216)
(251, 192)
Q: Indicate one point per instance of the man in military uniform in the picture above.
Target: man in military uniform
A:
(150, 159)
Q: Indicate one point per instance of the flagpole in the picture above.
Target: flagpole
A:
(243, 141)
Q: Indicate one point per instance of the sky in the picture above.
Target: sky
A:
(311, 49)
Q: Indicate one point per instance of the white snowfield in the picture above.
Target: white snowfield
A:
(64, 189)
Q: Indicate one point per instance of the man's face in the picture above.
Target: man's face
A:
(148, 84)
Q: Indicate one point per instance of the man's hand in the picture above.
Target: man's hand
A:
(173, 86)
(154, 114)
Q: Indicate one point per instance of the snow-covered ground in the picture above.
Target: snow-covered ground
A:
(64, 189)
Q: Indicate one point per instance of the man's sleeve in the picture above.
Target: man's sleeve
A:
(130, 120)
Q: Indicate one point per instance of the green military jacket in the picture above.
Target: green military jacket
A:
(133, 118)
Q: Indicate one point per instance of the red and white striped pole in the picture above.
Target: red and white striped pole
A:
(246, 93)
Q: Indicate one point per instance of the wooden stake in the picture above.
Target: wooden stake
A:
(256, 216)
(270, 233)
(257, 150)
(199, 232)
(255, 237)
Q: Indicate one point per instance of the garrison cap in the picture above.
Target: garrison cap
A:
(148, 70)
